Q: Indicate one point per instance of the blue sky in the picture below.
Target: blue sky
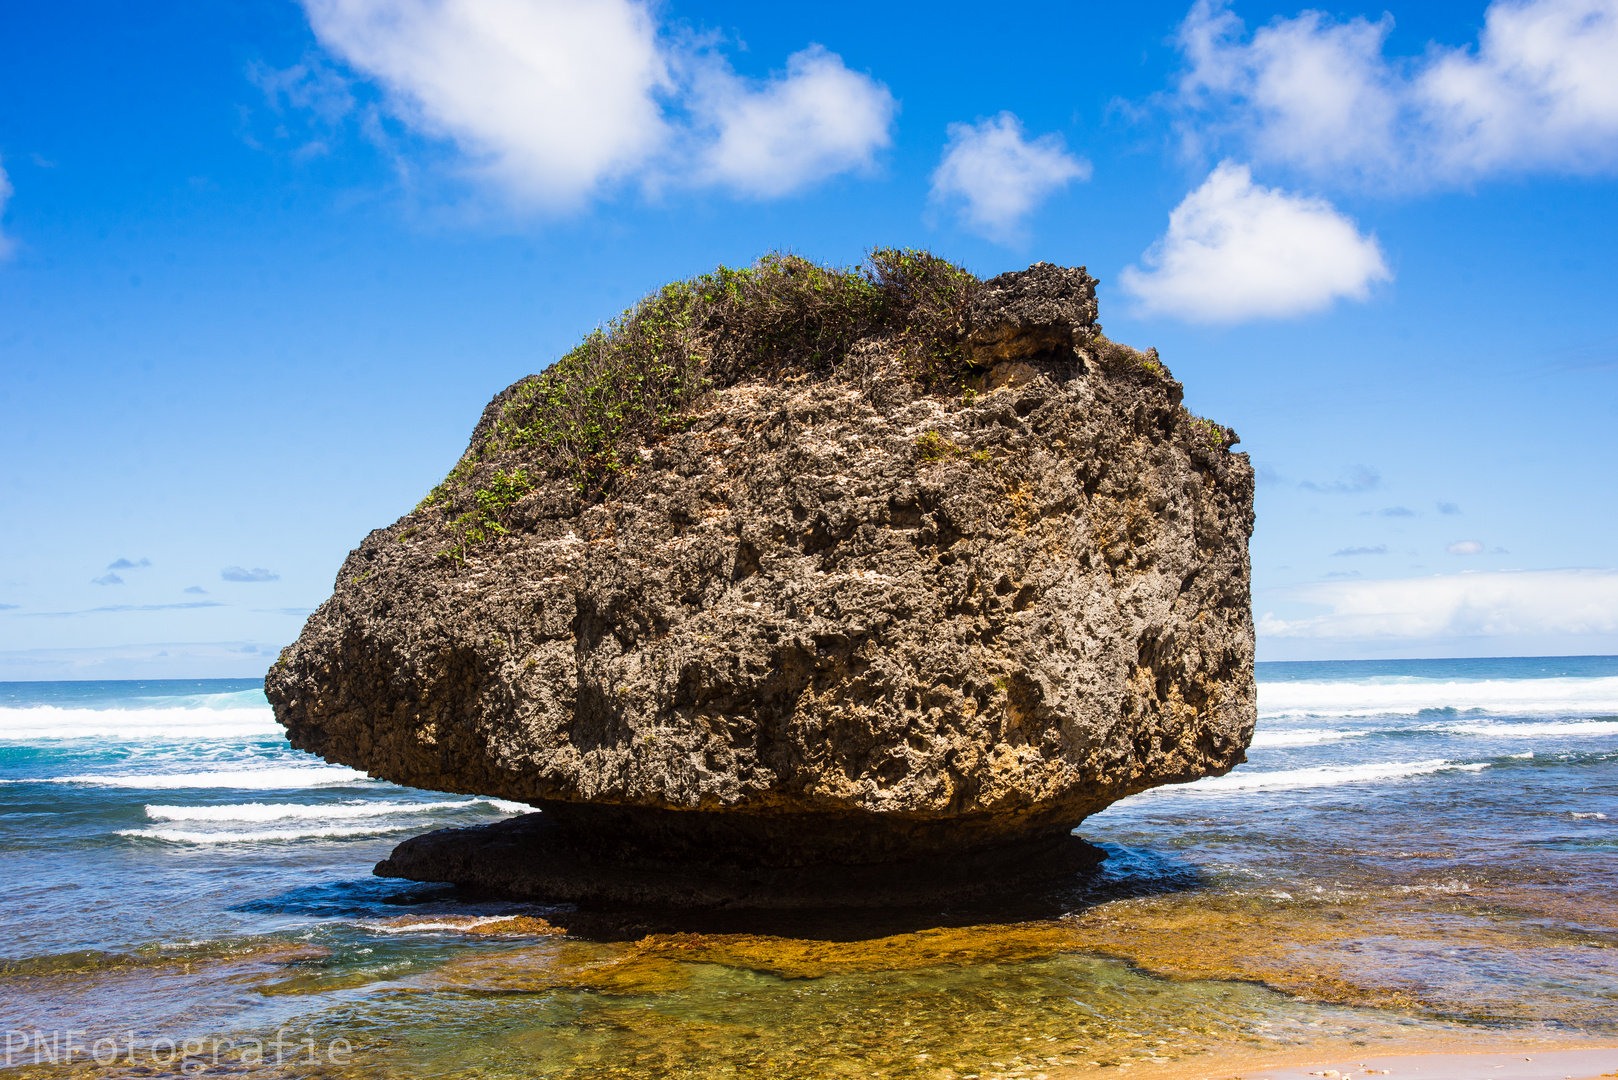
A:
(263, 264)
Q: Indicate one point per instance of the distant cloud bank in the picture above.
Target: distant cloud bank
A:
(170, 660)
(1492, 604)
(187, 606)
(237, 573)
(1359, 479)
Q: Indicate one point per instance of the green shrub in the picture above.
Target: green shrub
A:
(642, 373)
(1208, 435)
(487, 518)
(1119, 359)
(925, 300)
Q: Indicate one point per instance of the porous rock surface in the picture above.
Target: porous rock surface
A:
(835, 625)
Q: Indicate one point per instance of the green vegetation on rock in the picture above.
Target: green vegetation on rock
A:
(783, 315)
(1208, 435)
(640, 375)
(931, 446)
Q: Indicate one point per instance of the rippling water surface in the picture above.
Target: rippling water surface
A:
(1415, 850)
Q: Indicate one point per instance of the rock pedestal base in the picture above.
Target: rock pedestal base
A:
(535, 857)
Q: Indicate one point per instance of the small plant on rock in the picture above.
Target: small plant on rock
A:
(931, 446)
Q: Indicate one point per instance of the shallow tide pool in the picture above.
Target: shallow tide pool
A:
(1415, 852)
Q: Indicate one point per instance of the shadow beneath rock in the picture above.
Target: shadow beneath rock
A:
(1096, 875)
(536, 857)
(1124, 873)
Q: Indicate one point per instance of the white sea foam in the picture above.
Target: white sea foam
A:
(1303, 737)
(508, 807)
(49, 722)
(1401, 696)
(1320, 776)
(464, 923)
(1567, 729)
(1584, 814)
(327, 832)
(268, 779)
(264, 812)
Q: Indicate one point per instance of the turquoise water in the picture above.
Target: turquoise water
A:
(1433, 843)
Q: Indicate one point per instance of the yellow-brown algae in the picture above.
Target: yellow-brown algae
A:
(488, 925)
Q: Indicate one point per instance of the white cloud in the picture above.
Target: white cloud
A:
(1499, 603)
(817, 120)
(998, 177)
(549, 98)
(552, 100)
(1541, 89)
(1538, 93)
(6, 245)
(1306, 91)
(1235, 250)
(1465, 547)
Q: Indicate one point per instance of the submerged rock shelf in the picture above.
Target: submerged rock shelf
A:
(862, 622)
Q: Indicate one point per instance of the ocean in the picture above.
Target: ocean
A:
(1415, 851)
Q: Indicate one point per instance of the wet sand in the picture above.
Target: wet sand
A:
(1525, 1061)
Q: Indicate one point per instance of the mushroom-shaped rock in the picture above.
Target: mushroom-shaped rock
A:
(867, 601)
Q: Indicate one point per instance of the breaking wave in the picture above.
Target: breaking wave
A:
(329, 832)
(263, 812)
(1319, 776)
(270, 779)
(51, 722)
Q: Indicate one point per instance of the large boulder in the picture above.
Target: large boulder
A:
(818, 619)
